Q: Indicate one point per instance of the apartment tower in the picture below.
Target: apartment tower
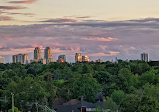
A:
(48, 55)
(22, 58)
(78, 57)
(145, 56)
(85, 58)
(37, 53)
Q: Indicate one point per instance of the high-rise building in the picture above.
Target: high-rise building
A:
(22, 58)
(1, 59)
(62, 57)
(85, 58)
(145, 56)
(78, 57)
(47, 53)
(37, 53)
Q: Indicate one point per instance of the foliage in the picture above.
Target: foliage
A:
(86, 86)
(110, 104)
(117, 96)
(15, 110)
(44, 83)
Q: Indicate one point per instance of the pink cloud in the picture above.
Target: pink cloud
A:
(112, 53)
(100, 39)
(25, 2)
(11, 49)
(9, 39)
(132, 47)
(5, 18)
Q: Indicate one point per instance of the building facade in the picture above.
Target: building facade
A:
(1, 59)
(85, 58)
(78, 57)
(48, 55)
(37, 53)
(62, 57)
(42, 60)
(145, 56)
(22, 58)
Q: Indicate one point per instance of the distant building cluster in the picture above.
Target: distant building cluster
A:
(23, 58)
(47, 56)
(80, 58)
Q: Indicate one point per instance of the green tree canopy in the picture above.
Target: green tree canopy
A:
(86, 86)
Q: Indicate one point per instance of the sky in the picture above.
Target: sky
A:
(102, 29)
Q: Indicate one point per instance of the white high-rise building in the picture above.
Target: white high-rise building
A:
(22, 58)
(145, 56)
(1, 59)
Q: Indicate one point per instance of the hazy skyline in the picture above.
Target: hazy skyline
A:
(98, 28)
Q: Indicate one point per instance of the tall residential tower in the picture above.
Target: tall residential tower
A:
(145, 56)
(48, 55)
(22, 58)
(78, 57)
(37, 53)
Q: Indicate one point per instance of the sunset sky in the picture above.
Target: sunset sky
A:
(98, 28)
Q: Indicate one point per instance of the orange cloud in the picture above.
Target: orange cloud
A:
(100, 39)
(25, 2)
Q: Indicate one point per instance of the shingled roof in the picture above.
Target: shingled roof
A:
(65, 108)
(72, 102)
(59, 101)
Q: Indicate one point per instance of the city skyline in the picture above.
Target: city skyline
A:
(100, 29)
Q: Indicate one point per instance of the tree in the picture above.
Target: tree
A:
(117, 96)
(110, 104)
(126, 73)
(103, 77)
(130, 103)
(98, 109)
(86, 86)
(15, 110)
(148, 77)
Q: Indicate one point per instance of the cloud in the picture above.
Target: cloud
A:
(146, 20)
(25, 2)
(61, 20)
(97, 39)
(12, 7)
(84, 17)
(111, 53)
(5, 18)
(12, 13)
(100, 39)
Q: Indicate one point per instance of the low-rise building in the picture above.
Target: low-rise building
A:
(1, 59)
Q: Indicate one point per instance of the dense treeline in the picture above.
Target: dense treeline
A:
(135, 81)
